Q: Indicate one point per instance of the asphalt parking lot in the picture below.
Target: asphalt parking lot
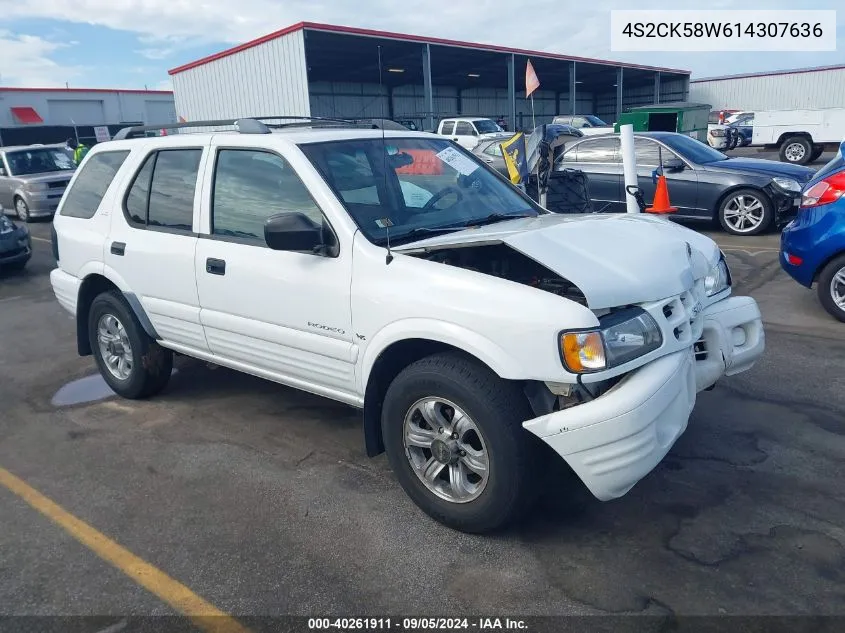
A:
(260, 499)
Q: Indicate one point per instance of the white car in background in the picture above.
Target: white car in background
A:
(479, 333)
(470, 131)
(588, 124)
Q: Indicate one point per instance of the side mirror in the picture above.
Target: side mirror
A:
(297, 232)
(673, 164)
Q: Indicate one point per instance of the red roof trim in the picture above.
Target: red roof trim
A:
(774, 73)
(99, 90)
(333, 28)
(26, 114)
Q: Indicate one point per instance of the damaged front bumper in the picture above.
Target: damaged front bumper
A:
(615, 440)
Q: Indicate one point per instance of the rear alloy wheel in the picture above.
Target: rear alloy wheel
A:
(22, 209)
(745, 212)
(796, 150)
(831, 288)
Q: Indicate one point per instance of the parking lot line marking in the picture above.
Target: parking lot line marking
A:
(204, 615)
(41, 239)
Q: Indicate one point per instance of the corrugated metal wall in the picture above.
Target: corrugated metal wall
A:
(807, 90)
(267, 79)
(86, 107)
(673, 90)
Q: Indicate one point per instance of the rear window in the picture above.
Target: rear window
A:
(83, 199)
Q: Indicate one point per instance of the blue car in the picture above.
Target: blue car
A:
(812, 247)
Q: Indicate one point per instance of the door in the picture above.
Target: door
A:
(279, 314)
(152, 241)
(682, 184)
(6, 187)
(600, 159)
(465, 134)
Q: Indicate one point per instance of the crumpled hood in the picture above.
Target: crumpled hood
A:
(615, 259)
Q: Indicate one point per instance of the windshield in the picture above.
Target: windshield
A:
(692, 149)
(38, 161)
(595, 121)
(486, 126)
(414, 186)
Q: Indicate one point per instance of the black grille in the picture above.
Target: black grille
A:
(58, 184)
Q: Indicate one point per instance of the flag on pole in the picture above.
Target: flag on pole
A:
(531, 80)
(513, 153)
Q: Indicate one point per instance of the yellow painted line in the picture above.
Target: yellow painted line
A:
(204, 615)
(41, 239)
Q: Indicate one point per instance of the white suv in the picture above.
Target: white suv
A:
(395, 272)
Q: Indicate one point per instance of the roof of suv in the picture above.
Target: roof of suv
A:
(294, 135)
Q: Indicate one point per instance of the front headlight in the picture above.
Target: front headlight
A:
(717, 132)
(622, 337)
(718, 279)
(36, 186)
(788, 184)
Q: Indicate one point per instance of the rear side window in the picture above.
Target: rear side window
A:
(448, 128)
(84, 197)
(162, 194)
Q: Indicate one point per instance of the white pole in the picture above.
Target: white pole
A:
(629, 165)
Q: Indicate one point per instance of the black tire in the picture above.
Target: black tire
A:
(152, 364)
(796, 150)
(818, 150)
(497, 408)
(767, 218)
(825, 289)
(22, 209)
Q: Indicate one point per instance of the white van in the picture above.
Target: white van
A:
(469, 131)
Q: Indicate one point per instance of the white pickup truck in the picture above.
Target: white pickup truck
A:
(470, 131)
(395, 272)
(800, 136)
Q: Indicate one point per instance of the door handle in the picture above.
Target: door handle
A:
(118, 248)
(215, 266)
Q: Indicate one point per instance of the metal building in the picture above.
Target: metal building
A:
(51, 115)
(804, 88)
(313, 69)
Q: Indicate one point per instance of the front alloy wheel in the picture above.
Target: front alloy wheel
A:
(446, 450)
(22, 209)
(745, 212)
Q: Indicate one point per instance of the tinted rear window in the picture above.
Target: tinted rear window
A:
(84, 197)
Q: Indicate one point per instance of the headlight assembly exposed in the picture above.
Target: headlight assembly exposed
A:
(718, 279)
(622, 337)
(788, 184)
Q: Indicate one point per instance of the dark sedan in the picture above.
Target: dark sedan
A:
(15, 244)
(746, 195)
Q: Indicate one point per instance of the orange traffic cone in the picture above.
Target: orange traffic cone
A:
(661, 202)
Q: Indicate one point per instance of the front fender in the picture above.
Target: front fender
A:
(500, 361)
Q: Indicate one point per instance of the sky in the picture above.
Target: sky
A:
(133, 43)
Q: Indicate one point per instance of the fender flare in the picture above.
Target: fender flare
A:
(488, 352)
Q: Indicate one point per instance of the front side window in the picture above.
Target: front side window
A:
(415, 187)
(649, 153)
(38, 161)
(87, 192)
(494, 149)
(579, 121)
(162, 194)
(252, 185)
(486, 126)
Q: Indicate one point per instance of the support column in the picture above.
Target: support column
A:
(657, 87)
(572, 100)
(390, 113)
(428, 92)
(619, 75)
(512, 91)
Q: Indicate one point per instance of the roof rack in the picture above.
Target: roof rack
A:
(255, 125)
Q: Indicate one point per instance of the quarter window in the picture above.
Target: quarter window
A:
(84, 198)
(252, 185)
(162, 194)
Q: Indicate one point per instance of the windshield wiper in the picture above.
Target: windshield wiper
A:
(496, 217)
